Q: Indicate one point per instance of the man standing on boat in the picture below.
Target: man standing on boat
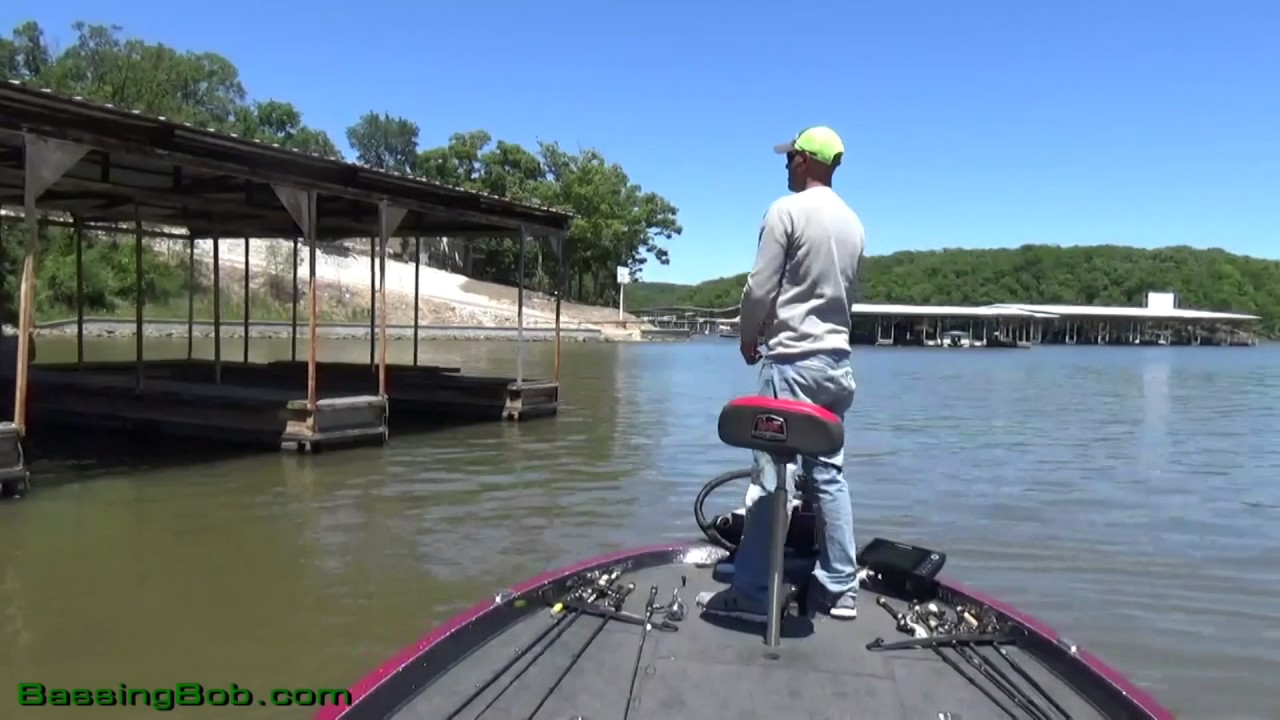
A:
(797, 304)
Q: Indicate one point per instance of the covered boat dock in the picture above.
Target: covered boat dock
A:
(946, 325)
(694, 320)
(1158, 322)
(1009, 325)
(105, 171)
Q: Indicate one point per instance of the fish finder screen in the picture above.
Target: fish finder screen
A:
(884, 554)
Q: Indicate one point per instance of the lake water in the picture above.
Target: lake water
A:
(1127, 496)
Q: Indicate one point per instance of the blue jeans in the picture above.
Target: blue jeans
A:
(825, 380)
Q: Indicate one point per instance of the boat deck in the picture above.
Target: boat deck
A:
(714, 668)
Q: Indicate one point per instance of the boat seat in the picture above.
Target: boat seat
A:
(782, 428)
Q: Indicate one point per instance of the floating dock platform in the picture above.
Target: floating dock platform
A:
(107, 171)
(253, 405)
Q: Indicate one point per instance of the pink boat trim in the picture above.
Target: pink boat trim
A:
(1096, 664)
(369, 682)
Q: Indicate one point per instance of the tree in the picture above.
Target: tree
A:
(281, 123)
(26, 55)
(506, 170)
(385, 142)
(203, 89)
(616, 221)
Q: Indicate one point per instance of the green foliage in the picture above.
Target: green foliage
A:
(109, 276)
(619, 223)
(109, 273)
(616, 221)
(203, 89)
(1039, 274)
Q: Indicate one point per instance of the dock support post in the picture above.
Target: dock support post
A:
(25, 295)
(559, 241)
(311, 310)
(79, 233)
(389, 218)
(522, 236)
(293, 330)
(301, 431)
(382, 318)
(138, 303)
(15, 480)
(246, 301)
(217, 314)
(373, 289)
(191, 295)
(45, 161)
(417, 274)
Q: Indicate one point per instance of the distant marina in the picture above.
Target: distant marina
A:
(1005, 325)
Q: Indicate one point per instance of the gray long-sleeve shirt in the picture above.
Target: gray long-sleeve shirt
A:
(798, 296)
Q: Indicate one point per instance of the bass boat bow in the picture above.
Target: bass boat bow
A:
(619, 637)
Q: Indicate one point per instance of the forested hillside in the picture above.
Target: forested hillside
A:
(1078, 275)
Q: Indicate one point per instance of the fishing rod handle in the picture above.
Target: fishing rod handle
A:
(882, 602)
(619, 597)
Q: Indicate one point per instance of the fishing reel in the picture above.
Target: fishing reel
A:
(962, 634)
(586, 587)
(933, 617)
(675, 610)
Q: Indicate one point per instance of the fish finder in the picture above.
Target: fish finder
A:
(906, 568)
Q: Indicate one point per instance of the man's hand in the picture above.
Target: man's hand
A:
(749, 351)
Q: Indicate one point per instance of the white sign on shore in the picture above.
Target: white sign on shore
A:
(624, 274)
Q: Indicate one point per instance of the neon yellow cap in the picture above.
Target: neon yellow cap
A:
(819, 142)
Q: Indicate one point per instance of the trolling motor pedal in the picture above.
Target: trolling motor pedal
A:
(785, 430)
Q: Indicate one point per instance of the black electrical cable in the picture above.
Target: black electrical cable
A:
(708, 528)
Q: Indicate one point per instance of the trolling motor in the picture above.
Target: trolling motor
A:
(785, 430)
(726, 530)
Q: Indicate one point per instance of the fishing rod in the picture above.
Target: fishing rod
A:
(967, 617)
(966, 635)
(649, 607)
(622, 616)
(935, 619)
(612, 592)
(913, 627)
(615, 602)
(600, 583)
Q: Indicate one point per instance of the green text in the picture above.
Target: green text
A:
(180, 695)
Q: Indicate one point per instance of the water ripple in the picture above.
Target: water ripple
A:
(1126, 496)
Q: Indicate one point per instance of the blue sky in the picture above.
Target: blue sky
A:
(967, 124)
